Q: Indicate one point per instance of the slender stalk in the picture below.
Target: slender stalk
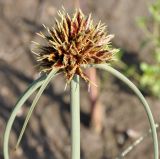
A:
(142, 99)
(75, 110)
(75, 118)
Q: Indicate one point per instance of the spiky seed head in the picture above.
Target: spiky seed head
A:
(73, 42)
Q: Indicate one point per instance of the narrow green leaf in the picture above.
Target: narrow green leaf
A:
(142, 99)
(33, 87)
(44, 85)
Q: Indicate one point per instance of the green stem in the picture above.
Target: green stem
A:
(75, 118)
(142, 99)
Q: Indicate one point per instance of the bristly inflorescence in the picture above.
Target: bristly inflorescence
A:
(74, 42)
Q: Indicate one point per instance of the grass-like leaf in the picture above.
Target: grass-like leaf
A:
(142, 99)
(44, 85)
(32, 88)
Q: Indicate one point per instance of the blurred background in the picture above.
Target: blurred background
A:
(136, 25)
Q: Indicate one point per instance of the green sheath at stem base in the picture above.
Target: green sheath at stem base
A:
(75, 118)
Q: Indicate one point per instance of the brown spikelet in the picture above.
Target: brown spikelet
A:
(74, 42)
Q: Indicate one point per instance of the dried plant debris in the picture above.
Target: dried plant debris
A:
(73, 42)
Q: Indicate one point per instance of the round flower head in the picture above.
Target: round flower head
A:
(74, 42)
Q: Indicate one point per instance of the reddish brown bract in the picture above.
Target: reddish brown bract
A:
(74, 42)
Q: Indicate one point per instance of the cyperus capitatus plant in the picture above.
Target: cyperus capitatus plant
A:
(72, 45)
